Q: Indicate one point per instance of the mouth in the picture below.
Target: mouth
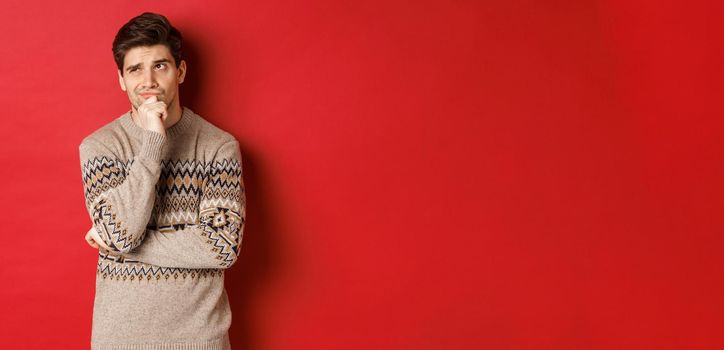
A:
(146, 95)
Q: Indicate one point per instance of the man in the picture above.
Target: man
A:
(165, 192)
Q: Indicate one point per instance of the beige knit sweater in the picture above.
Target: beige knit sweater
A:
(172, 208)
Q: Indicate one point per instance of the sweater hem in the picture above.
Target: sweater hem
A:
(214, 344)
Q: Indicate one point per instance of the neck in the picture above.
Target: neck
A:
(174, 115)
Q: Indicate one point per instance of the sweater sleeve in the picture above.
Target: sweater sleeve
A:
(120, 197)
(215, 239)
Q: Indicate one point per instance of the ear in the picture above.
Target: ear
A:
(181, 71)
(120, 81)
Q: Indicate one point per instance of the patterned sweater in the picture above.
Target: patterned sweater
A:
(172, 208)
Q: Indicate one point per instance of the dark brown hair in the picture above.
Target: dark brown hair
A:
(146, 29)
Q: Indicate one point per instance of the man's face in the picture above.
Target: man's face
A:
(148, 71)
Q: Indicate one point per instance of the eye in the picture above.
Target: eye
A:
(160, 65)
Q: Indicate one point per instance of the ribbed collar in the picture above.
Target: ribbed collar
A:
(175, 130)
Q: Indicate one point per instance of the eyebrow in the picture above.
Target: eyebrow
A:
(128, 69)
(138, 65)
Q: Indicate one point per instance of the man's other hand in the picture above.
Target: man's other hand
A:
(94, 240)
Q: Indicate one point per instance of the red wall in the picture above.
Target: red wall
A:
(420, 175)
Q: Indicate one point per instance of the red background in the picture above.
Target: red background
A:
(420, 175)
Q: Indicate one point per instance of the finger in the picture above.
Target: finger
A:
(157, 111)
(92, 243)
(157, 108)
(95, 243)
(157, 105)
(151, 99)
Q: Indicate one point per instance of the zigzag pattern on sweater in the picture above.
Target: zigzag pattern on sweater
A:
(101, 174)
(223, 210)
(189, 193)
(117, 268)
(105, 221)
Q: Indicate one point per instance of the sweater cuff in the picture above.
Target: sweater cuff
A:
(152, 146)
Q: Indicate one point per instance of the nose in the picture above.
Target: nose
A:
(149, 79)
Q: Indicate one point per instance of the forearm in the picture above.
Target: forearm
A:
(214, 239)
(120, 204)
(193, 246)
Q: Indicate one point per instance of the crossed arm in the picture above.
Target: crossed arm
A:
(120, 204)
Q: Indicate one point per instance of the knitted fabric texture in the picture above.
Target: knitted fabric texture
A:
(172, 209)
